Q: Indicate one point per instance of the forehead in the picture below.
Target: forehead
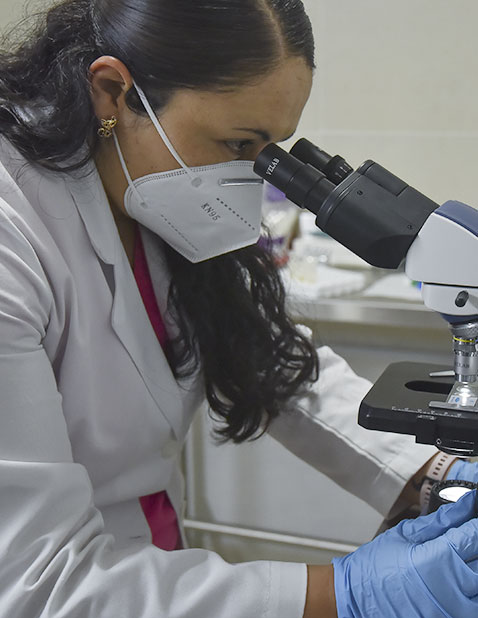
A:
(273, 104)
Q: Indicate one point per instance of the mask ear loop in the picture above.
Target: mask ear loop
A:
(126, 171)
(195, 180)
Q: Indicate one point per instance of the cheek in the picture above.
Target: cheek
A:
(148, 154)
(199, 152)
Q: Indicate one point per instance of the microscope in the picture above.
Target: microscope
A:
(386, 222)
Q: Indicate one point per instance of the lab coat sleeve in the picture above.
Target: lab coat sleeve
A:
(55, 559)
(321, 427)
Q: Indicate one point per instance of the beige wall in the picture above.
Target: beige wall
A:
(397, 81)
(11, 11)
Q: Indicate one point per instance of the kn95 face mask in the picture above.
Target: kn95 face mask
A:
(201, 212)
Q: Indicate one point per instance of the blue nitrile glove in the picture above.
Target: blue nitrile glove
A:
(464, 471)
(424, 567)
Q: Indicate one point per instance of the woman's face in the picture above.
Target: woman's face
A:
(207, 127)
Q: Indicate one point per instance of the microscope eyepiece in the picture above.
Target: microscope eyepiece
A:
(302, 183)
(335, 168)
(277, 167)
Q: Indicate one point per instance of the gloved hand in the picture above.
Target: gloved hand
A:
(463, 471)
(424, 567)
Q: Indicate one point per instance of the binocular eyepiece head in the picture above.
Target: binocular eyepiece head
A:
(370, 211)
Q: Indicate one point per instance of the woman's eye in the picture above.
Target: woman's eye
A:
(238, 146)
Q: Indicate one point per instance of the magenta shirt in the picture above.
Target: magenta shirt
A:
(157, 508)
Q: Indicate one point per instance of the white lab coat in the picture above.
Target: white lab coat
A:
(92, 418)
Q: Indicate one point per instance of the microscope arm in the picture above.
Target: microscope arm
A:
(443, 258)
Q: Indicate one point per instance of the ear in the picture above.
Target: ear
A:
(110, 81)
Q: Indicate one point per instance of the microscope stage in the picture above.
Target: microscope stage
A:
(399, 403)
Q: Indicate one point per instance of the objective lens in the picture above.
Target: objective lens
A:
(336, 168)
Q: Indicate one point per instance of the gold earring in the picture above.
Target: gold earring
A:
(107, 126)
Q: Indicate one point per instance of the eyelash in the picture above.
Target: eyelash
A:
(238, 146)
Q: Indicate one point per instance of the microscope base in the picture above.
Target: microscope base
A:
(399, 402)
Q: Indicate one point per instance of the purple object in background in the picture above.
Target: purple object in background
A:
(272, 194)
(279, 219)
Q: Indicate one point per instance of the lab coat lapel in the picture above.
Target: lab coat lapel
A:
(129, 319)
(131, 323)
(160, 277)
(191, 388)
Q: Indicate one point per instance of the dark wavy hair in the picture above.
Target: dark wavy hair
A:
(231, 309)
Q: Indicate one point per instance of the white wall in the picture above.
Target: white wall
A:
(398, 82)
(13, 10)
(9, 10)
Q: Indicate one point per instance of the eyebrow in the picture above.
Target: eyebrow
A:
(262, 134)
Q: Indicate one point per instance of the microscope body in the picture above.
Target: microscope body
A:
(386, 222)
(442, 257)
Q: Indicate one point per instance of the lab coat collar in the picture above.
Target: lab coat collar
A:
(90, 198)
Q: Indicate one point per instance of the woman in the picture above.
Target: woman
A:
(131, 289)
